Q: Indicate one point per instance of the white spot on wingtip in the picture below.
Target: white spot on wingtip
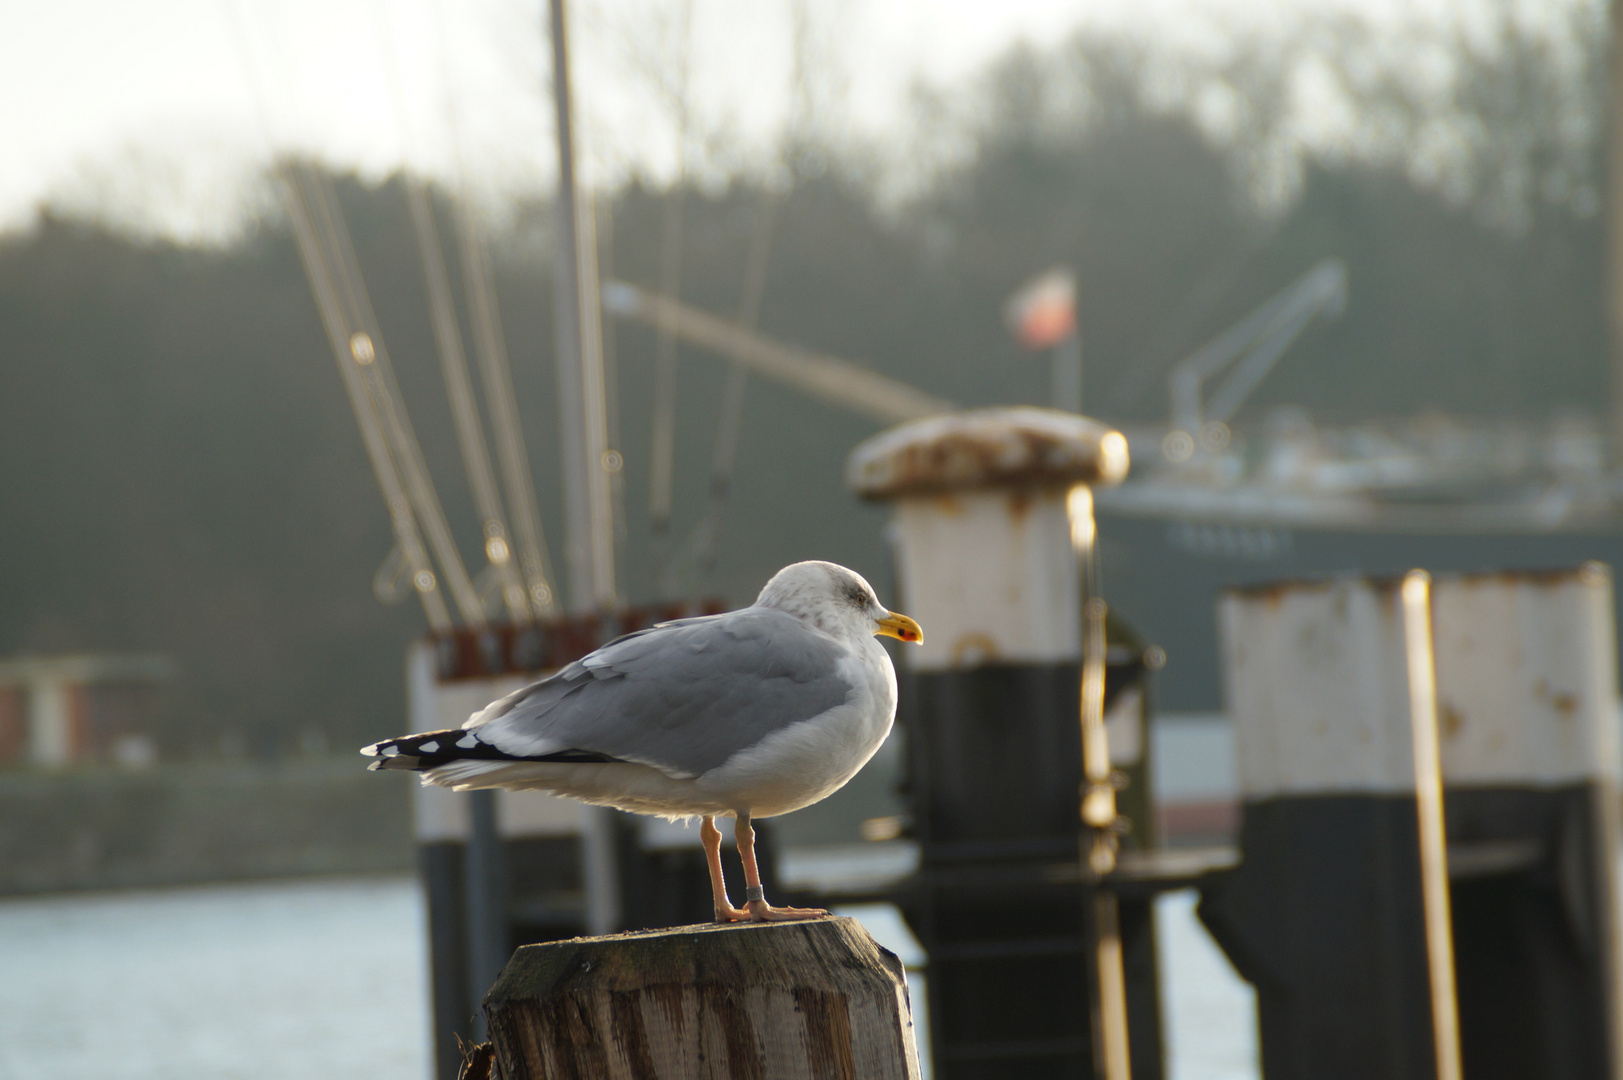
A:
(370, 751)
(391, 751)
(468, 742)
(429, 747)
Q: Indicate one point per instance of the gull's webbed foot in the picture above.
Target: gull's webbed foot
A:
(757, 909)
(761, 911)
(730, 914)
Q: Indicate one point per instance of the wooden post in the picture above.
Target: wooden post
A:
(814, 1000)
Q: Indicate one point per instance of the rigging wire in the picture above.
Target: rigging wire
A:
(344, 269)
(453, 361)
(348, 350)
(328, 254)
(706, 534)
(464, 411)
(495, 370)
(490, 348)
(353, 351)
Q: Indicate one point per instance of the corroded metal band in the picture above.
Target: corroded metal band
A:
(755, 892)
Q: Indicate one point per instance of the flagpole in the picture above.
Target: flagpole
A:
(1042, 315)
(1067, 374)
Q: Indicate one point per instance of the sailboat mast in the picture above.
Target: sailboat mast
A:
(582, 407)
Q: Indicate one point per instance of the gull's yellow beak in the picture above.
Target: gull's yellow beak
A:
(900, 627)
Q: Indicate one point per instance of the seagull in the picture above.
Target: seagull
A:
(749, 714)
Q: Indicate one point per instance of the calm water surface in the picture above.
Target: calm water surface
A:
(329, 979)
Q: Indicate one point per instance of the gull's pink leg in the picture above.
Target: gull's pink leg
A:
(710, 836)
(759, 909)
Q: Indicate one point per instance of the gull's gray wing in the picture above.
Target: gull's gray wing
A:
(682, 697)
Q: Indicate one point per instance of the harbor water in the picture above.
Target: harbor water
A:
(285, 981)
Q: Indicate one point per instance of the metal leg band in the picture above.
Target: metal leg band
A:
(754, 892)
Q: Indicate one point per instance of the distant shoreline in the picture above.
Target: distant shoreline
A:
(191, 824)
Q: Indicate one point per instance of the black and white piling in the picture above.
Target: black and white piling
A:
(1327, 913)
(991, 508)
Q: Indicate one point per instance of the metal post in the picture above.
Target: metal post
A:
(1428, 786)
(600, 871)
(439, 823)
(484, 880)
(1112, 1060)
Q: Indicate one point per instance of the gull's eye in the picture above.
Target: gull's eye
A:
(857, 597)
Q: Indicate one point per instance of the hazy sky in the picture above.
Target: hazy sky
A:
(157, 113)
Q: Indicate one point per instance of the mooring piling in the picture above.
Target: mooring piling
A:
(1329, 914)
(818, 1000)
(993, 536)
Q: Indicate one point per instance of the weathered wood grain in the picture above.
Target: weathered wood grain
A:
(817, 1000)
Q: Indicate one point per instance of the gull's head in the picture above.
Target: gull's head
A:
(835, 600)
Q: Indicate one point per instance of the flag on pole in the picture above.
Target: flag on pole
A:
(1043, 312)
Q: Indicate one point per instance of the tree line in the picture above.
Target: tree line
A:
(183, 474)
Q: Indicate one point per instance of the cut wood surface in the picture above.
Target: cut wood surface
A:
(818, 1000)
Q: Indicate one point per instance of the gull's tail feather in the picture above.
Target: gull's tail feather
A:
(459, 752)
(439, 760)
(467, 774)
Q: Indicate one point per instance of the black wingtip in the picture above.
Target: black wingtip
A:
(424, 750)
(431, 749)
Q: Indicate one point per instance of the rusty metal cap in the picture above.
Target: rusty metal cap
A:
(987, 448)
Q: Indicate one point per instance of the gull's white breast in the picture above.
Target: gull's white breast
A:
(812, 759)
